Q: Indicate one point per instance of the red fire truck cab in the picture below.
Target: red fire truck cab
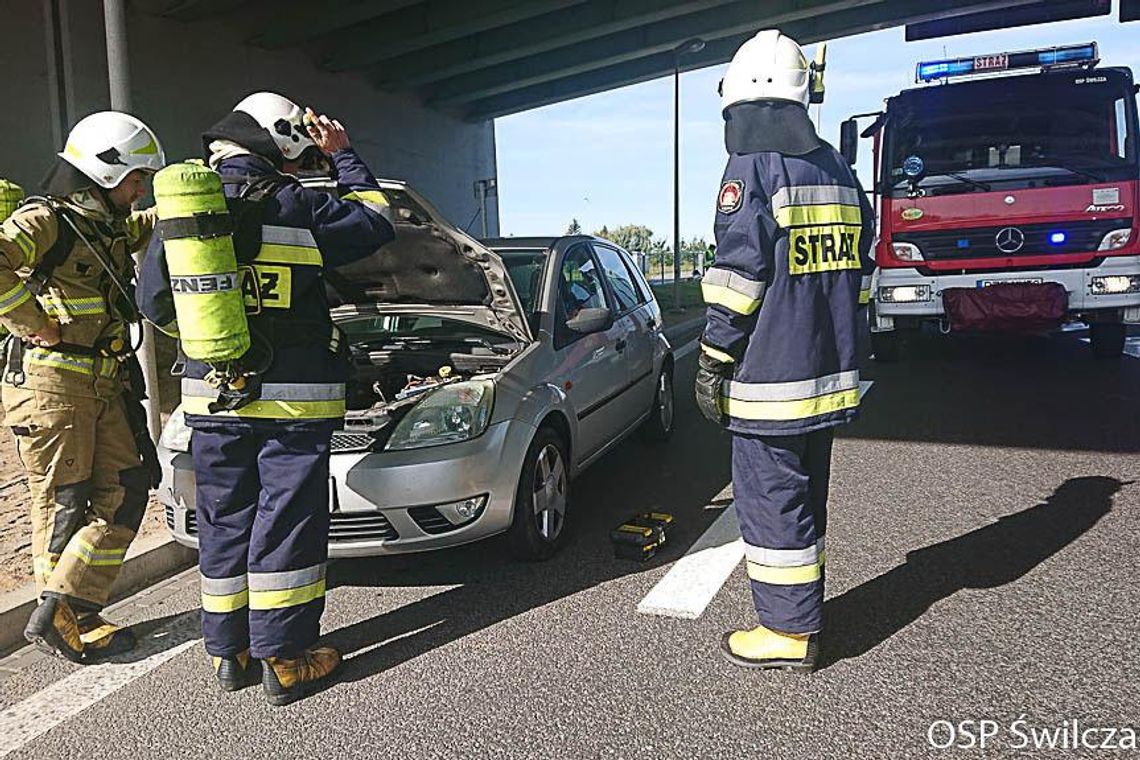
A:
(1007, 191)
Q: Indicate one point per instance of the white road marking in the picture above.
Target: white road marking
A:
(695, 579)
(1131, 345)
(686, 349)
(73, 694)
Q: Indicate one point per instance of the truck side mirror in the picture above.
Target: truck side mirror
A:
(849, 141)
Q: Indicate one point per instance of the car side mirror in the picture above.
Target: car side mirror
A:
(588, 321)
(849, 141)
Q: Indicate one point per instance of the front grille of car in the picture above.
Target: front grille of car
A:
(360, 526)
(169, 516)
(981, 242)
(343, 441)
(343, 526)
(430, 520)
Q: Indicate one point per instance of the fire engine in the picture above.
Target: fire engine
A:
(1006, 189)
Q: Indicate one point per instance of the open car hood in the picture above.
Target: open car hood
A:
(431, 263)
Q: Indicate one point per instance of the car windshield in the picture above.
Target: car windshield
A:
(375, 329)
(525, 269)
(966, 139)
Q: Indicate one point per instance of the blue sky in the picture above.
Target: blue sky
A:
(607, 159)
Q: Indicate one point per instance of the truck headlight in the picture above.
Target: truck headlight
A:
(905, 294)
(907, 252)
(1115, 239)
(1115, 284)
(176, 433)
(453, 413)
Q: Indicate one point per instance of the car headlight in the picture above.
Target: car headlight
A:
(452, 413)
(907, 252)
(176, 434)
(1115, 239)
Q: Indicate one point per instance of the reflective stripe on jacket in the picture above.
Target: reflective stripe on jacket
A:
(793, 263)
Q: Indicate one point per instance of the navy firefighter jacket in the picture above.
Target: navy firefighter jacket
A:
(303, 231)
(793, 264)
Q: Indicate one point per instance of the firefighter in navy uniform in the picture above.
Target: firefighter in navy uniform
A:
(778, 363)
(262, 462)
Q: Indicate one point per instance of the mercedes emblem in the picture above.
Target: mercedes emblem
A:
(1009, 240)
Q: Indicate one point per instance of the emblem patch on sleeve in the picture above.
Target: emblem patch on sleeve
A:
(731, 197)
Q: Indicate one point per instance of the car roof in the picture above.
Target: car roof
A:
(507, 243)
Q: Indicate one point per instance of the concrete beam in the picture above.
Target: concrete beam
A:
(822, 27)
(531, 37)
(423, 25)
(307, 20)
(662, 37)
(187, 10)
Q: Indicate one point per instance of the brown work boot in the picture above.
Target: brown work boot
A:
(54, 629)
(102, 639)
(287, 680)
(236, 672)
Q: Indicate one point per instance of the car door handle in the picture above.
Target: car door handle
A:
(620, 345)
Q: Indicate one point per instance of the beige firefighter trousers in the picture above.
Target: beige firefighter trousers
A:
(88, 489)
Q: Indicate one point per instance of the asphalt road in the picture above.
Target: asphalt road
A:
(982, 565)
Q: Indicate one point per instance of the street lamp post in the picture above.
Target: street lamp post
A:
(694, 45)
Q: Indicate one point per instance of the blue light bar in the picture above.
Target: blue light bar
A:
(1057, 238)
(928, 71)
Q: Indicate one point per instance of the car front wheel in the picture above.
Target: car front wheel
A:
(542, 498)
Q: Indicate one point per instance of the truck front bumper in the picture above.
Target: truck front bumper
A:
(927, 291)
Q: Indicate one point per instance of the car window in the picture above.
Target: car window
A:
(581, 286)
(525, 270)
(619, 278)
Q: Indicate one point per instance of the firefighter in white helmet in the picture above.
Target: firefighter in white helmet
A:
(261, 451)
(66, 277)
(778, 364)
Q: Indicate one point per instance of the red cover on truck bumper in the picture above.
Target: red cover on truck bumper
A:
(1013, 307)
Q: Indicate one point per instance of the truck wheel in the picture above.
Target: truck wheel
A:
(542, 498)
(1107, 339)
(887, 346)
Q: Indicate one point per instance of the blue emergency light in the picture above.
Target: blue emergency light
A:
(1057, 238)
(1086, 54)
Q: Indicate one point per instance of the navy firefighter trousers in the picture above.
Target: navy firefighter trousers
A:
(263, 519)
(780, 486)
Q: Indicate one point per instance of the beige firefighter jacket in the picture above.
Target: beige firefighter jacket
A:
(80, 293)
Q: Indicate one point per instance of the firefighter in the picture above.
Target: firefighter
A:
(778, 363)
(261, 445)
(66, 276)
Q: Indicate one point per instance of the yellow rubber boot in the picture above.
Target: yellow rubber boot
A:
(237, 672)
(102, 639)
(54, 629)
(287, 680)
(763, 648)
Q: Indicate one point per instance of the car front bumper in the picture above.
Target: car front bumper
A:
(1078, 283)
(382, 503)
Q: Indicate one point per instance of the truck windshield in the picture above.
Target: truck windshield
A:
(1033, 131)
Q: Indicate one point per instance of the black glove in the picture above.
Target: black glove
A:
(711, 375)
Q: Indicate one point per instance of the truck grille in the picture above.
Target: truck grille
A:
(980, 242)
(343, 526)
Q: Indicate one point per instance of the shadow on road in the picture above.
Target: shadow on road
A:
(1030, 392)
(995, 555)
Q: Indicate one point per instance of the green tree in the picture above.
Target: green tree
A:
(574, 228)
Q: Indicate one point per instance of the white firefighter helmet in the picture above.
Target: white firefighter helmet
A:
(281, 118)
(770, 66)
(108, 145)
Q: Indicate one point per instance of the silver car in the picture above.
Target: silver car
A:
(484, 378)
